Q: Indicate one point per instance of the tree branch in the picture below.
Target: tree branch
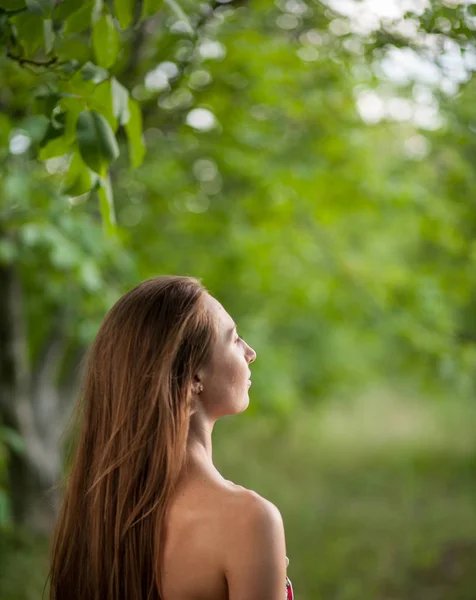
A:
(28, 61)
(43, 387)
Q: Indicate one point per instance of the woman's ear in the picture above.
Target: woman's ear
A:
(197, 385)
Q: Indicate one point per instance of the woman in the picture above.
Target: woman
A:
(146, 515)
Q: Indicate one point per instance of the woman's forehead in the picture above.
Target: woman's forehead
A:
(220, 316)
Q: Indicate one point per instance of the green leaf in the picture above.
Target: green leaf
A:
(49, 35)
(69, 67)
(73, 107)
(10, 5)
(105, 41)
(106, 205)
(66, 8)
(134, 134)
(83, 184)
(79, 20)
(97, 10)
(55, 147)
(96, 141)
(102, 102)
(84, 82)
(40, 7)
(45, 101)
(72, 47)
(55, 129)
(150, 7)
(91, 72)
(79, 178)
(120, 101)
(29, 30)
(124, 11)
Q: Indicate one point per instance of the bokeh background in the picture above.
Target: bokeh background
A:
(313, 162)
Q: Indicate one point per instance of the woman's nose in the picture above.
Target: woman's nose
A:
(250, 355)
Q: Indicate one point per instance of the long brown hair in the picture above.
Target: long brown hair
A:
(134, 410)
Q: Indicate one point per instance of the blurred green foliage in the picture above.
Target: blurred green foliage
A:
(322, 192)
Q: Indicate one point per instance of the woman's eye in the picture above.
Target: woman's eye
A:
(238, 339)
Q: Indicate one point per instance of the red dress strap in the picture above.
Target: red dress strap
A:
(289, 586)
(289, 590)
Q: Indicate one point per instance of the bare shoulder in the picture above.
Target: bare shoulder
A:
(223, 540)
(248, 509)
(254, 551)
(252, 525)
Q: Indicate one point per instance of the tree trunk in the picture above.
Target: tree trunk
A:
(33, 405)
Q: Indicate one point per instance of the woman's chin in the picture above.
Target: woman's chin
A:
(244, 404)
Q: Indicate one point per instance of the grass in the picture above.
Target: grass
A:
(378, 496)
(23, 566)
